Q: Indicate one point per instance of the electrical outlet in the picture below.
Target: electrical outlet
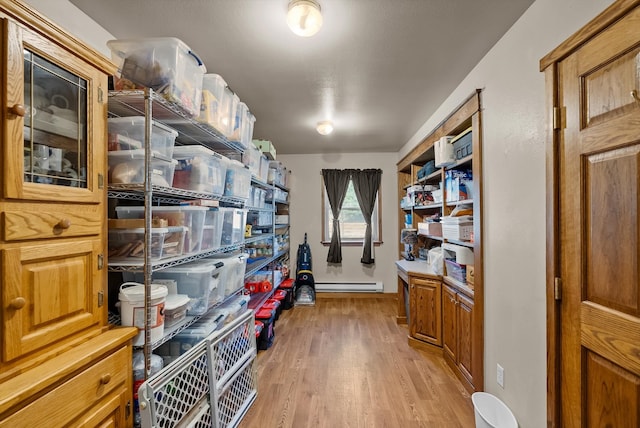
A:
(500, 375)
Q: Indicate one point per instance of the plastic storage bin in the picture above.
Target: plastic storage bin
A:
(251, 159)
(212, 230)
(234, 268)
(201, 280)
(175, 309)
(216, 103)
(247, 130)
(238, 121)
(234, 100)
(190, 216)
(233, 225)
(127, 133)
(165, 64)
(199, 169)
(237, 180)
(129, 243)
(127, 167)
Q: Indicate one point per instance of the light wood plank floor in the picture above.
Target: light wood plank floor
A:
(346, 363)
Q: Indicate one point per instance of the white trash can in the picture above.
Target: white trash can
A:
(491, 412)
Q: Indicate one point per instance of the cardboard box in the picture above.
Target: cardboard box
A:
(267, 148)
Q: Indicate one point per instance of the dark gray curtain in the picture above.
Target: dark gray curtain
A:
(366, 183)
(336, 183)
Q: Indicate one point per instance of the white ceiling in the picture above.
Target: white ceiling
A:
(378, 68)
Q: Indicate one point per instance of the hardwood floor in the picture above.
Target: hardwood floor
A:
(345, 363)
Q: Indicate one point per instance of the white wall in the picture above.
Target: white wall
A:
(514, 198)
(306, 216)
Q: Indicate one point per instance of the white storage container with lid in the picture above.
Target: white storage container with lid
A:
(199, 169)
(212, 231)
(234, 100)
(132, 299)
(247, 131)
(127, 167)
(165, 64)
(238, 123)
(233, 225)
(235, 266)
(216, 103)
(127, 133)
(175, 309)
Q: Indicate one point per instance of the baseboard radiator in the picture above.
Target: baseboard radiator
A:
(349, 287)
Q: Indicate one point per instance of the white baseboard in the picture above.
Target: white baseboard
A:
(349, 287)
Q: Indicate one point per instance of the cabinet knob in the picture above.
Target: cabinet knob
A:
(65, 223)
(18, 110)
(18, 303)
(105, 379)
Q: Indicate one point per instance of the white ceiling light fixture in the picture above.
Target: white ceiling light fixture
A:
(325, 127)
(304, 17)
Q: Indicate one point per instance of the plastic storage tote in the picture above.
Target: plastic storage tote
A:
(216, 103)
(201, 280)
(129, 243)
(237, 180)
(233, 225)
(127, 133)
(165, 64)
(235, 266)
(212, 231)
(185, 215)
(199, 169)
(127, 167)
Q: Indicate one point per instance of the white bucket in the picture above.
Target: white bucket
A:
(491, 412)
(131, 298)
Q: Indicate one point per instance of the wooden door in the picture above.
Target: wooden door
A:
(449, 323)
(426, 324)
(50, 291)
(599, 229)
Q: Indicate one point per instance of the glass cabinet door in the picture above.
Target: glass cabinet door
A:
(55, 131)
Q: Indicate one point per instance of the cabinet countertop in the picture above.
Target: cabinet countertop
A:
(416, 266)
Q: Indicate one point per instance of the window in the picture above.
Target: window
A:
(352, 225)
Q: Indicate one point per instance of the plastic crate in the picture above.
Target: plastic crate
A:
(199, 169)
(127, 133)
(127, 167)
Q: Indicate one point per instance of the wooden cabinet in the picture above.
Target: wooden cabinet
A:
(458, 336)
(425, 297)
(451, 318)
(58, 356)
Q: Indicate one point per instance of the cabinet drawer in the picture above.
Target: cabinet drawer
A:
(74, 397)
(51, 222)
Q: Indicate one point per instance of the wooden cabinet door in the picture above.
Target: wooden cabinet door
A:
(465, 336)
(54, 129)
(110, 413)
(50, 291)
(599, 230)
(426, 318)
(449, 323)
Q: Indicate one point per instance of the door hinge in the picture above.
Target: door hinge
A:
(100, 95)
(100, 181)
(557, 117)
(557, 288)
(100, 298)
(100, 261)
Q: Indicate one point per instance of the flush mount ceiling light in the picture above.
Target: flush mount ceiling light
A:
(304, 17)
(325, 127)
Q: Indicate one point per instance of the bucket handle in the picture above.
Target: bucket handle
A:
(128, 284)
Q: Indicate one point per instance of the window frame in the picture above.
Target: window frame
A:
(328, 216)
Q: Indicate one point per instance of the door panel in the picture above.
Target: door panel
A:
(465, 342)
(599, 176)
(50, 291)
(426, 324)
(611, 228)
(611, 394)
(449, 324)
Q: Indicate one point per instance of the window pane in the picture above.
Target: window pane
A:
(352, 224)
